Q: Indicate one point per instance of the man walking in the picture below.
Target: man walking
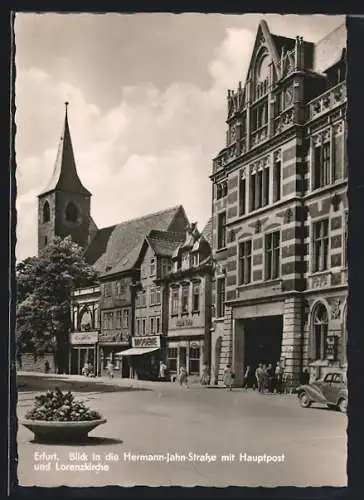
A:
(278, 378)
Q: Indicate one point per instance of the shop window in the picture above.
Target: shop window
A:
(320, 245)
(196, 297)
(220, 309)
(245, 262)
(185, 298)
(321, 165)
(172, 359)
(125, 318)
(221, 230)
(194, 360)
(272, 255)
(175, 294)
(46, 212)
(320, 323)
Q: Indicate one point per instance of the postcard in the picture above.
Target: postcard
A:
(181, 249)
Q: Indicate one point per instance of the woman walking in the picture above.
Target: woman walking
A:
(228, 377)
(205, 377)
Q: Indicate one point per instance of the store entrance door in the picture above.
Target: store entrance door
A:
(263, 340)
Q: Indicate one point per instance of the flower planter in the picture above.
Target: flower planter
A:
(61, 431)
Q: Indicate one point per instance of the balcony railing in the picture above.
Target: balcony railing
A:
(327, 101)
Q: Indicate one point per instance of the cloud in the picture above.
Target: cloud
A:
(152, 150)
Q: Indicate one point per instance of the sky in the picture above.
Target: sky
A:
(147, 105)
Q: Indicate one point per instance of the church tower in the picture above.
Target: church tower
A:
(64, 205)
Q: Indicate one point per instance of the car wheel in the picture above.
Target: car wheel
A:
(343, 405)
(305, 401)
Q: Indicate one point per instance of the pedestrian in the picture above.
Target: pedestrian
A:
(46, 367)
(228, 377)
(205, 376)
(162, 370)
(270, 374)
(305, 377)
(110, 369)
(85, 369)
(183, 379)
(246, 378)
(259, 375)
(278, 378)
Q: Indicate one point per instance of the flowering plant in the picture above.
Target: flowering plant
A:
(60, 407)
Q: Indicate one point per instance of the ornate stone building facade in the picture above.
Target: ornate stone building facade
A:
(280, 210)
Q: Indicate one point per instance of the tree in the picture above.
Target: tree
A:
(44, 286)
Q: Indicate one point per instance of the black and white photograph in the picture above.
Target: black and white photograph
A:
(181, 249)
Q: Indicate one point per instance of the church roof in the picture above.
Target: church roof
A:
(65, 176)
(112, 245)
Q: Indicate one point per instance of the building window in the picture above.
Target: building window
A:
(71, 212)
(138, 326)
(266, 187)
(118, 319)
(195, 259)
(144, 323)
(141, 299)
(45, 241)
(220, 293)
(125, 318)
(120, 287)
(321, 166)
(320, 327)
(108, 320)
(221, 230)
(174, 309)
(185, 298)
(166, 267)
(242, 196)
(172, 359)
(345, 241)
(152, 325)
(152, 267)
(276, 181)
(245, 262)
(107, 289)
(196, 297)
(152, 296)
(194, 361)
(158, 324)
(46, 212)
(272, 251)
(338, 159)
(320, 245)
(158, 295)
(221, 190)
(259, 116)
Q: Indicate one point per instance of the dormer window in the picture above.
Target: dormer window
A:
(152, 267)
(195, 259)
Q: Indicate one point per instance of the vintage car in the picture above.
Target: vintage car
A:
(331, 391)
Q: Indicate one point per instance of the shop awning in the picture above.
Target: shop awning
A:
(137, 351)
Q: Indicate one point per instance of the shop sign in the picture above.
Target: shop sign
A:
(152, 341)
(331, 347)
(183, 322)
(84, 337)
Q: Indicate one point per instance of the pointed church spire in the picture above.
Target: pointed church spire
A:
(65, 176)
